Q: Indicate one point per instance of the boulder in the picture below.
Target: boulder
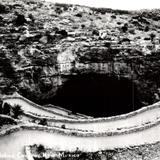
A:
(44, 39)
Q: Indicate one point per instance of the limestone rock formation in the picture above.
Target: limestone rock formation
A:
(40, 42)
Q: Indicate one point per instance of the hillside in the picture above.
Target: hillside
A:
(94, 61)
(42, 44)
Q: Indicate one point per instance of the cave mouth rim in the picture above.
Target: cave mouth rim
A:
(125, 115)
(117, 78)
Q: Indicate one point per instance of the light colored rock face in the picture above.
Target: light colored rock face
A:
(65, 60)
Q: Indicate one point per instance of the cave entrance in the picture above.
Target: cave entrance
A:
(98, 95)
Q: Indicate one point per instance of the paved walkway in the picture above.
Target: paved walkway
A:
(37, 109)
(14, 143)
(151, 113)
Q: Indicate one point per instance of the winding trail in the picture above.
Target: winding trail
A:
(135, 128)
(29, 106)
(13, 144)
(139, 117)
(66, 112)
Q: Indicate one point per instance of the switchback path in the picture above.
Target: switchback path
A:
(13, 144)
(139, 117)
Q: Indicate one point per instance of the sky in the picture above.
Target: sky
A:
(115, 4)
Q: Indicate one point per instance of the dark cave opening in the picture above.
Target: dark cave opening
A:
(97, 95)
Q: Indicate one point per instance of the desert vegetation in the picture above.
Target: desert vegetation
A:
(13, 111)
(34, 34)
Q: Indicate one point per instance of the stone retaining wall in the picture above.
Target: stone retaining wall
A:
(77, 133)
(36, 105)
(10, 119)
(77, 115)
(92, 120)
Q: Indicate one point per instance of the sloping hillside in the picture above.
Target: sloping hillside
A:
(41, 41)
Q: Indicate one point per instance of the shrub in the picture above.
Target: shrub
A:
(7, 109)
(79, 15)
(83, 155)
(63, 126)
(113, 16)
(83, 26)
(74, 134)
(29, 2)
(31, 17)
(108, 10)
(125, 28)
(156, 18)
(17, 111)
(63, 5)
(136, 23)
(43, 122)
(58, 10)
(138, 37)
(1, 106)
(20, 19)
(3, 9)
(109, 154)
(119, 23)
(95, 32)
(6, 64)
(146, 29)
(108, 44)
(100, 10)
(64, 33)
(132, 31)
(40, 149)
(147, 38)
(4, 121)
(125, 40)
(152, 36)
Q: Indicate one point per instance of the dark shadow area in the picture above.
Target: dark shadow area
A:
(97, 95)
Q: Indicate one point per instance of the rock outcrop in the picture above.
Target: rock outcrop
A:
(41, 42)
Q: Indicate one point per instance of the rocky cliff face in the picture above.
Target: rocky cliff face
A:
(42, 44)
